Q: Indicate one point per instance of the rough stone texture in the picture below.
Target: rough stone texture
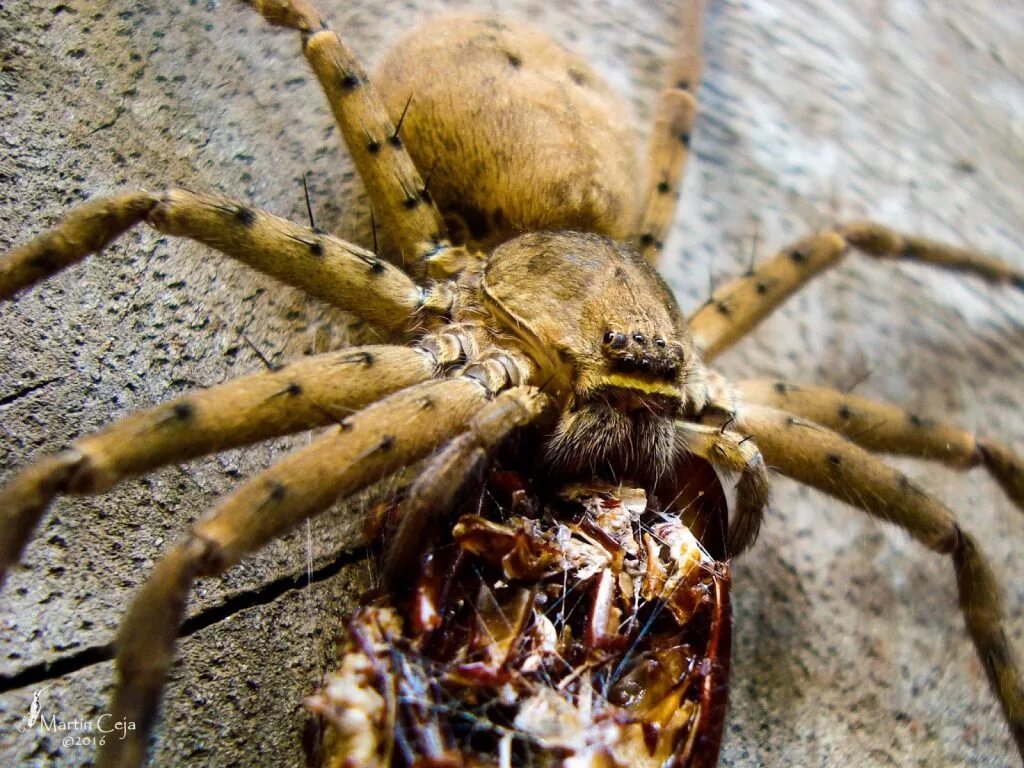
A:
(849, 648)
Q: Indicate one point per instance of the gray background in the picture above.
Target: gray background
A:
(849, 649)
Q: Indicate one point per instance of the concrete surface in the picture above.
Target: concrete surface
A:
(849, 649)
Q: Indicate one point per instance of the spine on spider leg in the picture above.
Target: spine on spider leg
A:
(375, 143)
(740, 305)
(387, 170)
(87, 229)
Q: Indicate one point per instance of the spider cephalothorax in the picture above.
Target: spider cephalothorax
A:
(522, 282)
(621, 366)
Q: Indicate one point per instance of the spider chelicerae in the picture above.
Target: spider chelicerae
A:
(469, 219)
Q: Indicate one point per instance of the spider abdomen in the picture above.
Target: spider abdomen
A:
(515, 133)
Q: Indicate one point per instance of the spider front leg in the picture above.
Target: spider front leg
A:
(320, 264)
(886, 428)
(816, 456)
(737, 307)
(306, 394)
(669, 143)
(394, 184)
(370, 445)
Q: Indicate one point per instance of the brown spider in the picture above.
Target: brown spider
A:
(469, 218)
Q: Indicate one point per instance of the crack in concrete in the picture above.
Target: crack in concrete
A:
(18, 394)
(37, 674)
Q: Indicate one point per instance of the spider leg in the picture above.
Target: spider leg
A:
(453, 469)
(370, 445)
(886, 428)
(816, 456)
(396, 190)
(320, 264)
(670, 135)
(732, 452)
(305, 394)
(741, 304)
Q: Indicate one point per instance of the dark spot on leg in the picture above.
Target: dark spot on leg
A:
(386, 443)
(349, 81)
(684, 139)
(294, 389)
(373, 146)
(183, 411)
(723, 308)
(844, 411)
(316, 249)
(410, 202)
(683, 85)
(514, 61)
(664, 188)
(395, 141)
(646, 239)
(245, 216)
(761, 287)
(425, 196)
(577, 77)
(834, 460)
(798, 255)
(277, 491)
(781, 388)
(918, 421)
(46, 260)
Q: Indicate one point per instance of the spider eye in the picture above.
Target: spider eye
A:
(639, 338)
(660, 343)
(608, 337)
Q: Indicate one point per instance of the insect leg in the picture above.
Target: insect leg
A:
(731, 451)
(370, 445)
(394, 184)
(670, 135)
(887, 428)
(319, 263)
(738, 306)
(816, 456)
(454, 468)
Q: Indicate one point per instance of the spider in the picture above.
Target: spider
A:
(411, 117)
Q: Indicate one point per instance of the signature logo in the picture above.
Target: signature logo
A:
(33, 711)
